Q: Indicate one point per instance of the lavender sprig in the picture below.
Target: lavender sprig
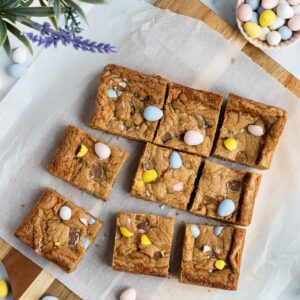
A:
(49, 37)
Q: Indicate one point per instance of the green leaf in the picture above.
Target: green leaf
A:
(3, 32)
(57, 9)
(93, 1)
(7, 47)
(12, 4)
(30, 11)
(17, 33)
(27, 3)
(78, 9)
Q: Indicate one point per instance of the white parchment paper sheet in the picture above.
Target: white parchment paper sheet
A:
(60, 88)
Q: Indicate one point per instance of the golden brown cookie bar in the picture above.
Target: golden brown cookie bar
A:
(58, 230)
(173, 176)
(226, 194)
(212, 256)
(122, 97)
(255, 129)
(76, 161)
(143, 244)
(187, 110)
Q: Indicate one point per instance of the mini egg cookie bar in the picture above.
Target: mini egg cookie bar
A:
(212, 256)
(129, 103)
(59, 230)
(226, 194)
(190, 120)
(143, 244)
(250, 132)
(86, 162)
(166, 176)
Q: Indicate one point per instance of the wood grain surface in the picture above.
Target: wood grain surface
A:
(29, 281)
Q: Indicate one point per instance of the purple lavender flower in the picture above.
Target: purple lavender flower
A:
(49, 37)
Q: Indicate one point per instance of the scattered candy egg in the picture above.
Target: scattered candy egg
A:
(145, 241)
(206, 248)
(278, 23)
(254, 17)
(218, 230)
(230, 143)
(152, 113)
(226, 208)
(274, 38)
(178, 187)
(253, 30)
(269, 4)
(85, 242)
(3, 288)
(260, 10)
(195, 231)
(16, 70)
(125, 232)
(128, 294)
(285, 11)
(253, 3)
(92, 221)
(19, 55)
(123, 84)
(296, 9)
(264, 33)
(220, 264)
(83, 150)
(294, 2)
(267, 18)
(49, 298)
(285, 32)
(244, 12)
(149, 176)
(65, 213)
(193, 137)
(294, 23)
(175, 160)
(255, 130)
(83, 221)
(111, 93)
(102, 150)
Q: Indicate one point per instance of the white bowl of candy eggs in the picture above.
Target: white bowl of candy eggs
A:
(269, 24)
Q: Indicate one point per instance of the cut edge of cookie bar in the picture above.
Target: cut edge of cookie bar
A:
(234, 258)
(27, 234)
(240, 104)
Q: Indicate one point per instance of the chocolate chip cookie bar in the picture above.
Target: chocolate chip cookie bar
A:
(59, 230)
(143, 244)
(226, 194)
(212, 256)
(129, 103)
(86, 162)
(250, 132)
(190, 120)
(166, 176)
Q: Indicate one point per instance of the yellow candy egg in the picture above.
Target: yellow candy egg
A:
(252, 29)
(83, 150)
(125, 232)
(149, 176)
(57, 244)
(145, 240)
(230, 144)
(220, 264)
(267, 18)
(3, 288)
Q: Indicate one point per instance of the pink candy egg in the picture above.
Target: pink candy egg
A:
(294, 2)
(269, 4)
(102, 150)
(193, 137)
(177, 187)
(244, 12)
(296, 9)
(294, 23)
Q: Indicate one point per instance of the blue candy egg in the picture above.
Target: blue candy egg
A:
(253, 3)
(49, 298)
(285, 32)
(91, 221)
(152, 113)
(218, 230)
(260, 10)
(16, 70)
(226, 208)
(254, 17)
(175, 160)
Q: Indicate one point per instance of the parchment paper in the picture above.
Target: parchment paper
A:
(60, 89)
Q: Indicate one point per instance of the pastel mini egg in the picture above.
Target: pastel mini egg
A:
(278, 23)
(175, 160)
(260, 10)
(285, 32)
(296, 9)
(244, 12)
(145, 241)
(125, 232)
(253, 3)
(85, 242)
(195, 231)
(274, 38)
(255, 130)
(111, 93)
(226, 208)
(49, 298)
(294, 2)
(284, 11)
(91, 221)
(16, 70)
(149, 176)
(220, 264)
(218, 230)
(19, 55)
(102, 151)
(65, 213)
(254, 17)
(193, 137)
(264, 33)
(123, 84)
(267, 18)
(269, 4)
(178, 187)
(230, 143)
(4, 289)
(253, 30)
(128, 294)
(152, 113)
(294, 23)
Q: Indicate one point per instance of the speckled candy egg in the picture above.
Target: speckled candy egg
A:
(253, 3)
(244, 12)
(16, 70)
(102, 151)
(294, 23)
(284, 11)
(226, 208)
(128, 294)
(269, 4)
(65, 213)
(296, 9)
(293, 2)
(152, 113)
(19, 55)
(175, 160)
(193, 137)
(285, 32)
(274, 38)
(49, 298)
(264, 33)
(253, 30)
(278, 23)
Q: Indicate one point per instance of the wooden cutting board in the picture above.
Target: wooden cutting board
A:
(29, 281)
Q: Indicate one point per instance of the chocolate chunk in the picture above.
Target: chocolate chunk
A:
(166, 137)
(158, 255)
(233, 186)
(143, 226)
(97, 172)
(133, 109)
(74, 236)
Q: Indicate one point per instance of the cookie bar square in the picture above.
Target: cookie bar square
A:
(166, 176)
(250, 132)
(86, 162)
(190, 120)
(122, 97)
(58, 230)
(226, 194)
(143, 244)
(212, 256)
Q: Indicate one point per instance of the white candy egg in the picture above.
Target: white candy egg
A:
(274, 38)
(285, 11)
(128, 294)
(19, 55)
(264, 33)
(65, 213)
(278, 23)
(102, 150)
